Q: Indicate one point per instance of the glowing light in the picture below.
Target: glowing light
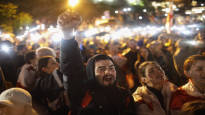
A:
(35, 37)
(103, 17)
(192, 42)
(42, 26)
(73, 3)
(188, 12)
(116, 12)
(202, 4)
(144, 10)
(125, 10)
(129, 9)
(5, 48)
(27, 28)
(140, 17)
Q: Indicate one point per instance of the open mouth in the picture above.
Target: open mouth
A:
(108, 78)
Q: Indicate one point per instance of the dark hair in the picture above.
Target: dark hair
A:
(43, 62)
(191, 60)
(29, 56)
(21, 47)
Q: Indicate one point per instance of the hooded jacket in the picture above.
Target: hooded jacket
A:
(87, 96)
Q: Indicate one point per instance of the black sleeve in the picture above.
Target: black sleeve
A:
(72, 67)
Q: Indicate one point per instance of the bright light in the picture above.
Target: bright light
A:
(144, 10)
(42, 26)
(103, 17)
(27, 28)
(188, 12)
(35, 37)
(73, 3)
(56, 38)
(140, 17)
(125, 10)
(192, 42)
(5, 48)
(165, 14)
(116, 12)
(129, 9)
(202, 4)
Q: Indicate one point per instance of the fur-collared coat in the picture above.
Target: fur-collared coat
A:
(148, 104)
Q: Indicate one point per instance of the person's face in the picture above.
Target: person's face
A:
(51, 66)
(197, 74)
(144, 52)
(154, 76)
(105, 72)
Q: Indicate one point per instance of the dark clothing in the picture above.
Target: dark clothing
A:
(45, 90)
(87, 96)
(8, 65)
(159, 96)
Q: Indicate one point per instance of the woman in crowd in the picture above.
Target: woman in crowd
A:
(27, 77)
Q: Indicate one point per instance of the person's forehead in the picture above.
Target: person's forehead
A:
(103, 63)
(198, 63)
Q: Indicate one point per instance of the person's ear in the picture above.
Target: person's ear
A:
(187, 73)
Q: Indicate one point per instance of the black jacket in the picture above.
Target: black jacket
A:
(86, 95)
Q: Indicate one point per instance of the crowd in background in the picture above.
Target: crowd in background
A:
(37, 70)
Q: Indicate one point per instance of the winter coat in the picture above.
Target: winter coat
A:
(148, 104)
(45, 92)
(184, 94)
(87, 96)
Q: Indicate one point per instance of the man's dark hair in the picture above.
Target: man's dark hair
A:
(191, 60)
(21, 47)
(43, 62)
(29, 56)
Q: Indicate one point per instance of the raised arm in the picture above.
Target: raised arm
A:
(71, 63)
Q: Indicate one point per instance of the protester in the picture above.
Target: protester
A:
(194, 69)
(47, 95)
(27, 76)
(153, 97)
(98, 95)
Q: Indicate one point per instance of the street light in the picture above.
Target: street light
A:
(73, 3)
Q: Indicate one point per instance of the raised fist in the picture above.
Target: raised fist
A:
(68, 21)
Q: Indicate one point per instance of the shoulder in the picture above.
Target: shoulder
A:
(180, 97)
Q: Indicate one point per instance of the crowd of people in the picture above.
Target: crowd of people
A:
(162, 74)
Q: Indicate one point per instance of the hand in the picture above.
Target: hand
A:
(68, 21)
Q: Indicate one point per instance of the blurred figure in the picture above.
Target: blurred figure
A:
(45, 51)
(27, 76)
(153, 97)
(194, 69)
(16, 101)
(8, 61)
(47, 95)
